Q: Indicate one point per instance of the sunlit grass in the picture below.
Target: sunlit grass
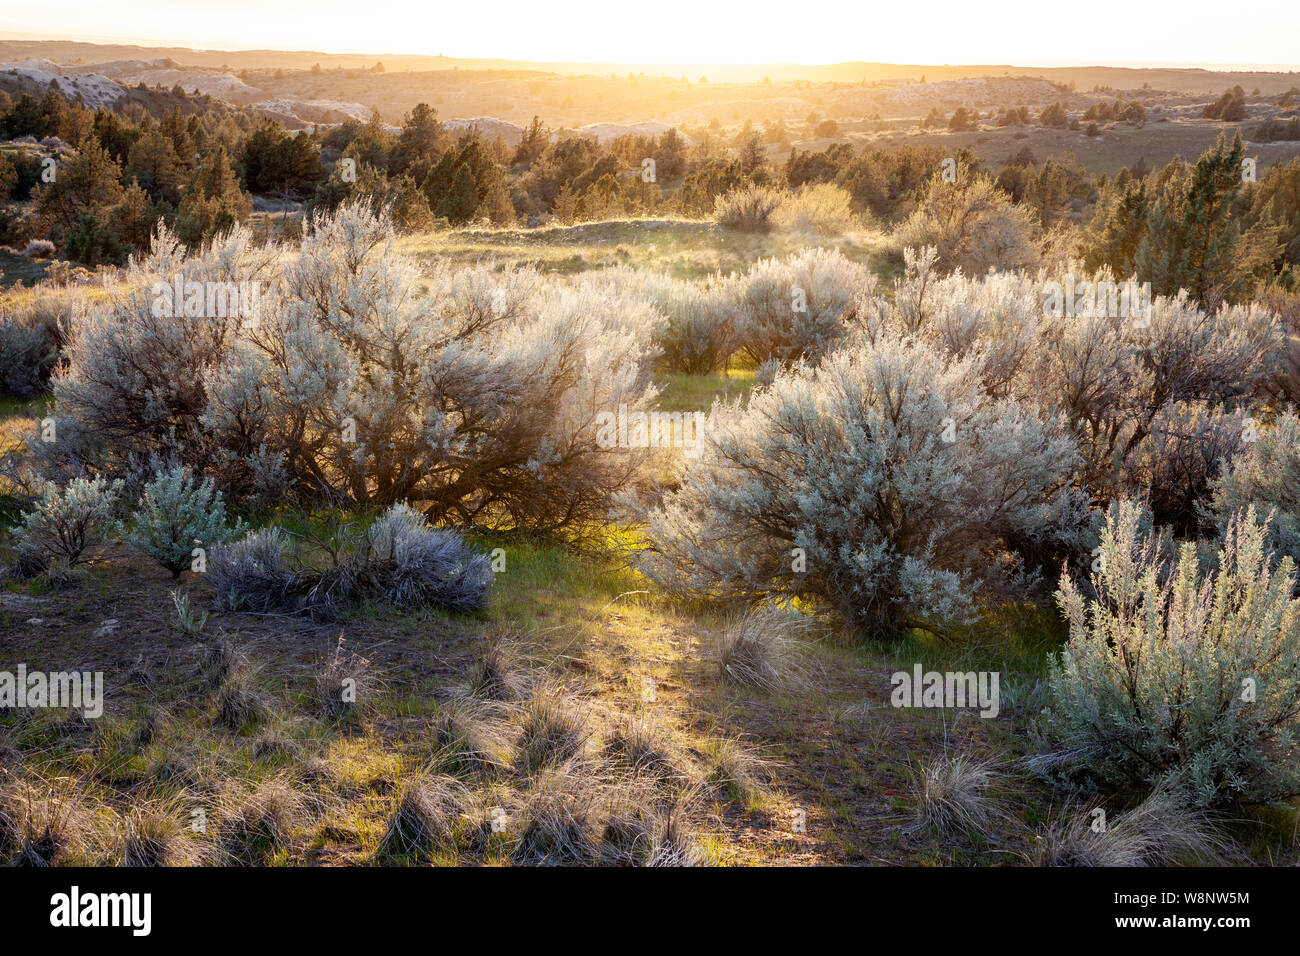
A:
(682, 248)
(690, 393)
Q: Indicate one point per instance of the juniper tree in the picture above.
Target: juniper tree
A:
(461, 202)
(1194, 239)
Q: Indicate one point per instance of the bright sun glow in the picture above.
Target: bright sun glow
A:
(1020, 32)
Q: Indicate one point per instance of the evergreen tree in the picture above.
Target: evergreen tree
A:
(438, 183)
(134, 219)
(408, 207)
(89, 182)
(8, 177)
(752, 155)
(152, 162)
(1117, 228)
(25, 119)
(496, 205)
(422, 140)
(532, 145)
(461, 202)
(1195, 241)
(91, 241)
(214, 203)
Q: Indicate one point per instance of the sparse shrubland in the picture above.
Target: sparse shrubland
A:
(436, 618)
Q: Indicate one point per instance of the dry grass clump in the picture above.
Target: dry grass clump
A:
(469, 741)
(175, 768)
(952, 795)
(555, 729)
(761, 648)
(426, 818)
(1160, 831)
(42, 825)
(255, 825)
(342, 685)
(643, 746)
(154, 836)
(572, 817)
(220, 659)
(491, 816)
(274, 745)
(239, 704)
(563, 819)
(643, 831)
(499, 674)
(733, 772)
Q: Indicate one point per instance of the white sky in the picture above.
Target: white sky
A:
(1018, 32)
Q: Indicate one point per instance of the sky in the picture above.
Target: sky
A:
(1019, 32)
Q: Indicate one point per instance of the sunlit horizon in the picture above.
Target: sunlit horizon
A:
(1016, 33)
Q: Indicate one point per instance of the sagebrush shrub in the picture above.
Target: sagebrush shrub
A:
(1265, 474)
(973, 224)
(748, 209)
(1115, 383)
(26, 358)
(362, 382)
(1178, 677)
(133, 387)
(399, 559)
(881, 481)
(1146, 398)
(177, 514)
(822, 209)
(697, 332)
(32, 336)
(1176, 465)
(63, 524)
(800, 306)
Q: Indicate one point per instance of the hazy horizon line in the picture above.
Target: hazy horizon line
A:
(162, 44)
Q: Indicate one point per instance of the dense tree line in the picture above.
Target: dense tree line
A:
(1201, 226)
